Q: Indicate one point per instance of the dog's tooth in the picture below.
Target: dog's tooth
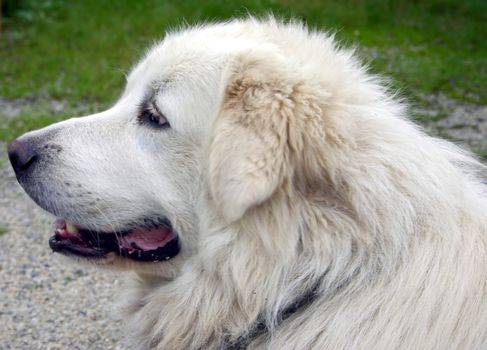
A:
(71, 228)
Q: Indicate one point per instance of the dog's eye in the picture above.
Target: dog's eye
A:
(147, 116)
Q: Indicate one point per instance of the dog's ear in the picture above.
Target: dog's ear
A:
(249, 142)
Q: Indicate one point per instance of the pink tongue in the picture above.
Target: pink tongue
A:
(147, 239)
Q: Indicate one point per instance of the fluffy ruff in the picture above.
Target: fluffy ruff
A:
(316, 183)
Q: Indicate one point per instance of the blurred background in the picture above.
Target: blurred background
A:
(65, 58)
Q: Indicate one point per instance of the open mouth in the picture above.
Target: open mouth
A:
(155, 241)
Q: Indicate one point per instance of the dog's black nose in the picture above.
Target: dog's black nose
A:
(22, 155)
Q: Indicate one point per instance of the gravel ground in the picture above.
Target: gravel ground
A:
(45, 302)
(49, 304)
(462, 123)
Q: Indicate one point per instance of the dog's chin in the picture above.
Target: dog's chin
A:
(166, 270)
(133, 248)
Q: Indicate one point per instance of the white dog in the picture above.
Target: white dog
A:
(271, 194)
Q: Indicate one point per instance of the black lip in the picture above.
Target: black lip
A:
(71, 247)
(97, 246)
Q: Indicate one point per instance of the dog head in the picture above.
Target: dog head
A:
(125, 182)
(211, 112)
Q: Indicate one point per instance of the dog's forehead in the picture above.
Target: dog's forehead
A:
(179, 57)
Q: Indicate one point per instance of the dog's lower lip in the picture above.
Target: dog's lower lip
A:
(72, 247)
(142, 244)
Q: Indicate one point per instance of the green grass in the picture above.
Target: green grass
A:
(78, 51)
(482, 154)
(3, 229)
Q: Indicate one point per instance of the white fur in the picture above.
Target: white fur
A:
(288, 166)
